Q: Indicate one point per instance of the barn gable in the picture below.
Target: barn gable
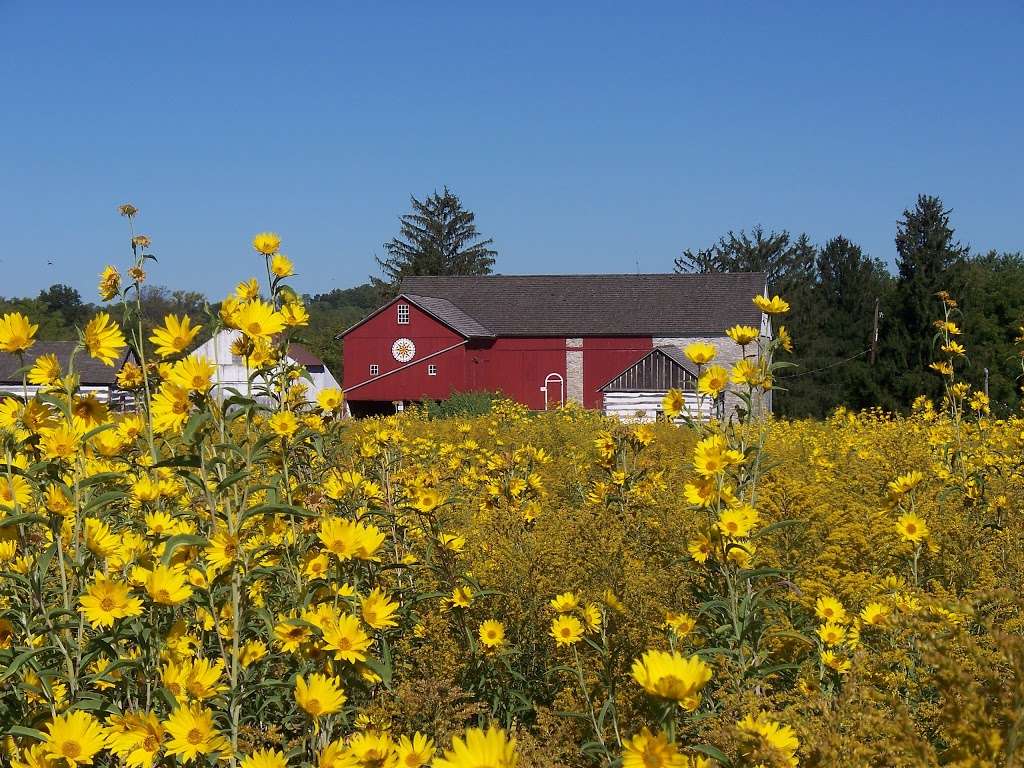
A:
(661, 369)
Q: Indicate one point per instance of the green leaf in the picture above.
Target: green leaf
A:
(285, 509)
(181, 540)
(21, 659)
(26, 733)
(713, 752)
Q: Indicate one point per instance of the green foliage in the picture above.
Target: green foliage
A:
(461, 405)
(439, 237)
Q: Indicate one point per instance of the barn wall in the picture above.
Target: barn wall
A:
(645, 406)
(606, 357)
(371, 343)
(517, 367)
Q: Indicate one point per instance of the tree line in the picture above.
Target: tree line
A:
(863, 335)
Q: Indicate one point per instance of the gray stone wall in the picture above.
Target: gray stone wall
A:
(729, 352)
(574, 370)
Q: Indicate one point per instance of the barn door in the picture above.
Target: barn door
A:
(554, 391)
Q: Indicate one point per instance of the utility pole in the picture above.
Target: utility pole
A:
(874, 335)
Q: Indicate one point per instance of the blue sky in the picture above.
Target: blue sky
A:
(586, 136)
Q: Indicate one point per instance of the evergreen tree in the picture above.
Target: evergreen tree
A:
(439, 237)
(926, 254)
(785, 263)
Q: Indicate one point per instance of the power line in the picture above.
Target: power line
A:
(825, 367)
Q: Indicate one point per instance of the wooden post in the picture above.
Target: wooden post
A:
(874, 335)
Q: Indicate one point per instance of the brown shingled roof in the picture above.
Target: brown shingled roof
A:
(598, 305)
(91, 372)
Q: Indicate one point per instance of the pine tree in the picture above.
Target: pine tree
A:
(926, 255)
(439, 237)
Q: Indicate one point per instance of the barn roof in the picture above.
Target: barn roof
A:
(592, 305)
(91, 372)
(450, 315)
(663, 368)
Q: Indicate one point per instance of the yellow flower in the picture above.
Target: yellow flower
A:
(743, 334)
(566, 629)
(267, 243)
(680, 623)
(346, 639)
(99, 539)
(713, 381)
(773, 306)
(291, 636)
(103, 339)
(283, 424)
(378, 610)
(712, 456)
(700, 549)
(281, 265)
(645, 750)
(785, 339)
(700, 352)
(738, 522)
(372, 748)
(875, 614)
(14, 490)
(110, 283)
(904, 484)
(45, 371)
(130, 376)
(832, 633)
(668, 675)
(834, 661)
(171, 408)
(492, 633)
(251, 652)
(174, 336)
(193, 373)
(258, 320)
(222, 551)
(747, 372)
(167, 586)
(106, 601)
(674, 403)
(319, 695)
(912, 528)
(135, 738)
(942, 367)
(480, 749)
(264, 758)
(415, 752)
(202, 680)
(330, 399)
(565, 602)
(592, 617)
(461, 597)
(193, 734)
(294, 314)
(75, 738)
(17, 334)
(761, 732)
(830, 609)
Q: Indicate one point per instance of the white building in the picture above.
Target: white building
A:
(231, 372)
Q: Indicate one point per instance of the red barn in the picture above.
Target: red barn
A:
(541, 340)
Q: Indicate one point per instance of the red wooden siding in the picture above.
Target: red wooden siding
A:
(605, 357)
(371, 343)
(516, 366)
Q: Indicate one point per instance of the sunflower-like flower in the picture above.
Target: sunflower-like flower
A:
(174, 336)
(829, 609)
(713, 381)
(378, 610)
(192, 733)
(764, 737)
(74, 738)
(346, 639)
(492, 633)
(776, 305)
(17, 334)
(267, 243)
(700, 352)
(110, 283)
(673, 403)
(103, 338)
(645, 750)
(258, 320)
(566, 629)
(743, 334)
(167, 586)
(480, 749)
(106, 601)
(281, 266)
(319, 695)
(912, 528)
(668, 675)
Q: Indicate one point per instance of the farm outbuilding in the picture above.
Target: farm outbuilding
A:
(231, 372)
(637, 393)
(95, 378)
(543, 340)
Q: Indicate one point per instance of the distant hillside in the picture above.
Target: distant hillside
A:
(332, 312)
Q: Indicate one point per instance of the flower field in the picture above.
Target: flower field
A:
(256, 581)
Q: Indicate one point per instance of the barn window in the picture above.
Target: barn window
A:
(431, 370)
(403, 314)
(374, 369)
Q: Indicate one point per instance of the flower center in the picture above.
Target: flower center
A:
(107, 604)
(71, 749)
(313, 707)
(195, 736)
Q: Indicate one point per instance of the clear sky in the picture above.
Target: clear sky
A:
(586, 136)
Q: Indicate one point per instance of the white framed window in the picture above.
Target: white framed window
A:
(431, 370)
(374, 369)
(403, 314)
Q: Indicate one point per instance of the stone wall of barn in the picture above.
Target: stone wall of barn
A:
(729, 353)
